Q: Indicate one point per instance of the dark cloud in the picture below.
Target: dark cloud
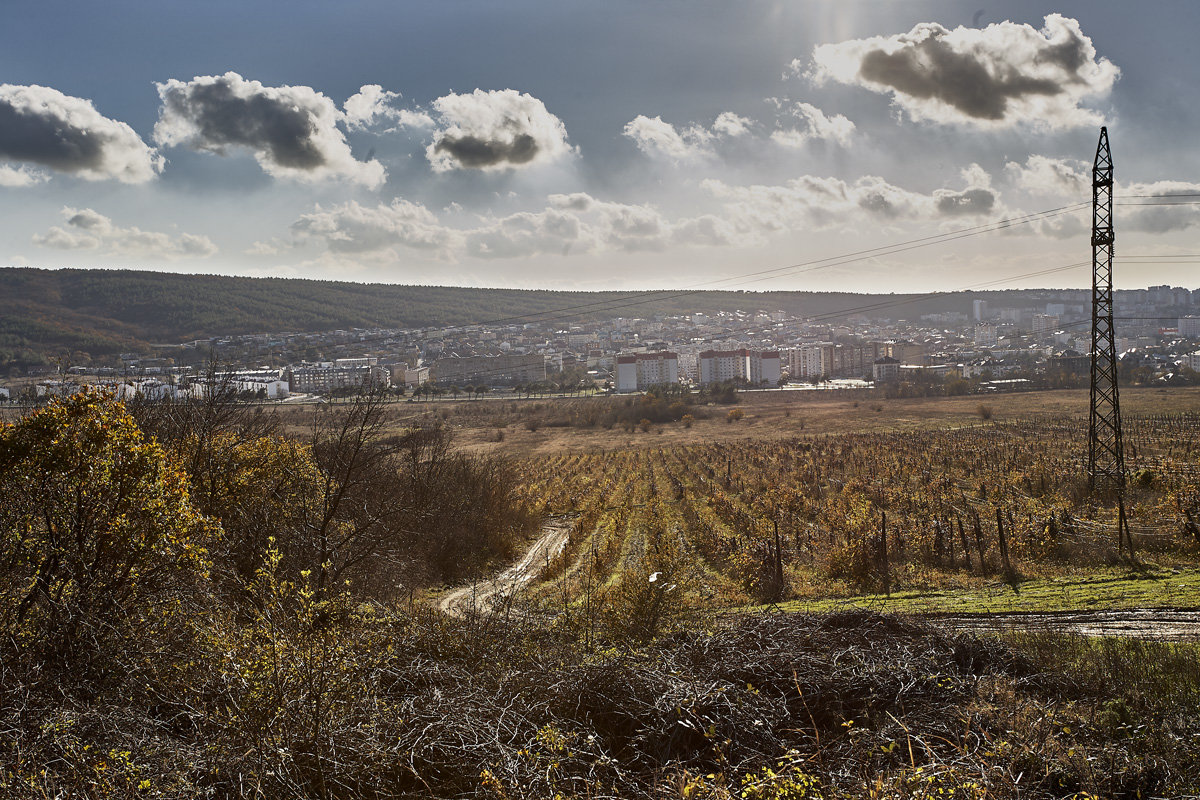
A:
(972, 201)
(494, 130)
(1001, 74)
(292, 130)
(931, 69)
(475, 153)
(40, 125)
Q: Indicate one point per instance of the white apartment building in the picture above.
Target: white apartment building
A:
(1189, 327)
(1044, 325)
(325, 376)
(753, 367)
(810, 360)
(637, 372)
(985, 336)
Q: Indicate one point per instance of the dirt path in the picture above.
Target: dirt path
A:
(1164, 624)
(482, 596)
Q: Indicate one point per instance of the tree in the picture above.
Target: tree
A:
(96, 522)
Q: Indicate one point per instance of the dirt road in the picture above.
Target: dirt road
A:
(1164, 624)
(484, 595)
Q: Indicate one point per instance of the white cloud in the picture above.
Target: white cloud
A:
(354, 228)
(43, 126)
(657, 138)
(87, 229)
(1001, 75)
(373, 104)
(21, 176)
(1051, 176)
(1148, 208)
(494, 130)
(654, 137)
(815, 124)
(291, 130)
(571, 224)
(820, 202)
(730, 124)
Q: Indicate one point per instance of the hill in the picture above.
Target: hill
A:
(45, 313)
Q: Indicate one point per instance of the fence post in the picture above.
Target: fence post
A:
(1003, 543)
(887, 577)
(963, 537)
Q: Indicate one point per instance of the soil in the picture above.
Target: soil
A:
(490, 595)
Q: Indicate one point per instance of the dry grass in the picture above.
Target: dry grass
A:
(768, 415)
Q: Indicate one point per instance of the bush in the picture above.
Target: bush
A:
(96, 529)
(734, 415)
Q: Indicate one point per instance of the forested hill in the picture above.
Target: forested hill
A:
(105, 311)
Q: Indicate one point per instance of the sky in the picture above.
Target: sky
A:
(859, 146)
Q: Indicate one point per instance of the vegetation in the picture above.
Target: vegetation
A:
(44, 313)
(812, 517)
(195, 604)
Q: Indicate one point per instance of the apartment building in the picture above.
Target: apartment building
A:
(494, 370)
(749, 366)
(637, 372)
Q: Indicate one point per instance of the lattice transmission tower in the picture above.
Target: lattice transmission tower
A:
(1106, 456)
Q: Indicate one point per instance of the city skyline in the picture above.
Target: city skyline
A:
(626, 146)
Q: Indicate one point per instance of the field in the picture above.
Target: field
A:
(222, 600)
(533, 427)
(926, 496)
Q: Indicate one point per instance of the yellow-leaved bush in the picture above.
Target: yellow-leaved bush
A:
(96, 527)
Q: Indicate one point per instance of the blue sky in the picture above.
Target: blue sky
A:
(595, 145)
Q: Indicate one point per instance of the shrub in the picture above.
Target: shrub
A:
(96, 525)
(734, 415)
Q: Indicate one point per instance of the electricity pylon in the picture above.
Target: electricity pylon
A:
(1106, 454)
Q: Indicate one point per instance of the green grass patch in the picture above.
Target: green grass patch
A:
(1113, 588)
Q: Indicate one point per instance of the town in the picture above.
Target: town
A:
(981, 347)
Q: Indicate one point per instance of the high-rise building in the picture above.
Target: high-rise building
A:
(637, 372)
(749, 366)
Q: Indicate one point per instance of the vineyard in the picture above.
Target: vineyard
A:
(731, 523)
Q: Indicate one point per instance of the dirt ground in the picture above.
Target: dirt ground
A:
(501, 426)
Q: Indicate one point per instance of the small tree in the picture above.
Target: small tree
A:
(96, 523)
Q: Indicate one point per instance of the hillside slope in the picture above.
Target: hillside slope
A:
(52, 312)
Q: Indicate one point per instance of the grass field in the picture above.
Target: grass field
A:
(1108, 588)
(532, 427)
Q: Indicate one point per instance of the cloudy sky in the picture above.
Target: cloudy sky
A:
(867, 146)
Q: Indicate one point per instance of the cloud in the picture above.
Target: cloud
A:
(87, 229)
(815, 124)
(17, 177)
(40, 125)
(1147, 207)
(1001, 75)
(820, 202)
(291, 130)
(494, 130)
(1051, 176)
(355, 228)
(373, 104)
(570, 224)
(661, 139)
(654, 137)
(730, 124)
